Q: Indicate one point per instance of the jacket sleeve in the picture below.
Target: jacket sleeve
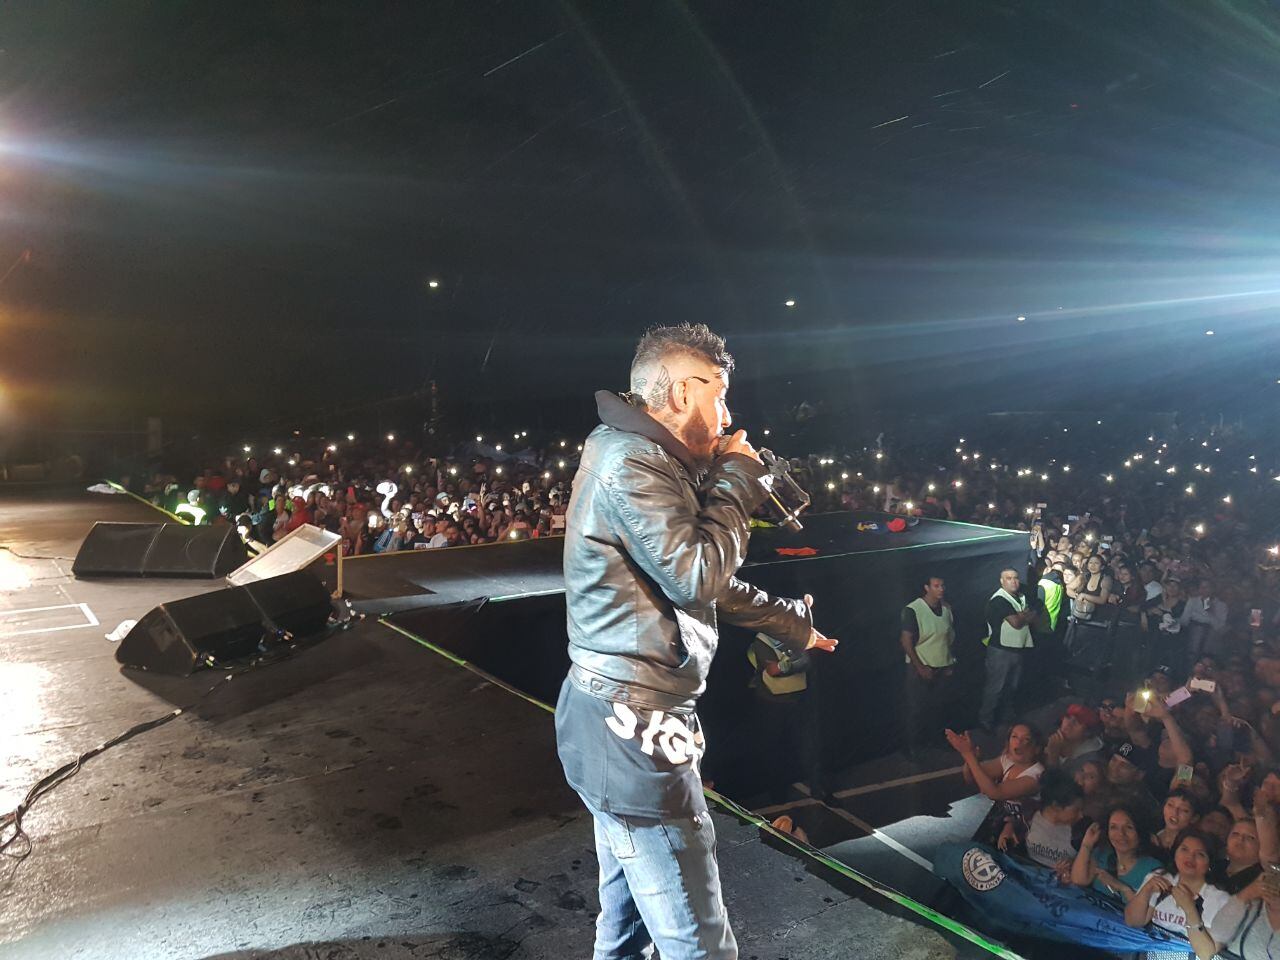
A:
(691, 555)
(787, 621)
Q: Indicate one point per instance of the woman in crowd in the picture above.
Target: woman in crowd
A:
(1127, 598)
(1118, 866)
(1181, 810)
(1091, 778)
(1186, 902)
(1011, 780)
(1089, 623)
(1242, 866)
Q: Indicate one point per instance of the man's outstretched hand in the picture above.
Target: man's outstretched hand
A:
(816, 640)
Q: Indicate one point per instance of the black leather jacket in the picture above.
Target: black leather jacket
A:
(650, 553)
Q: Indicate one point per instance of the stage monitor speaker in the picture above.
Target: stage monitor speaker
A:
(159, 550)
(178, 637)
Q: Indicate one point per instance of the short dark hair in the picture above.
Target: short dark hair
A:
(929, 579)
(690, 339)
(1059, 789)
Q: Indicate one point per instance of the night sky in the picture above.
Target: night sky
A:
(234, 212)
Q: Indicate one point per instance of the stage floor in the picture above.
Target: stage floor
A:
(366, 798)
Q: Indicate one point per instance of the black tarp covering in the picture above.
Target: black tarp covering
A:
(860, 582)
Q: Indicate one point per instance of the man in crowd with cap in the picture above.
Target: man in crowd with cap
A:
(1075, 739)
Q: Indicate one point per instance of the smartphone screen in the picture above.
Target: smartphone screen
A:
(1177, 697)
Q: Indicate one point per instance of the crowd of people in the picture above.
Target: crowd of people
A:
(1155, 632)
(1150, 602)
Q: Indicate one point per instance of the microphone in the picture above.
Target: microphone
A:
(788, 498)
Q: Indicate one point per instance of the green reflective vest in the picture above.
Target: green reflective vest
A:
(1053, 592)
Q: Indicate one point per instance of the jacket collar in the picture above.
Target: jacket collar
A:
(620, 415)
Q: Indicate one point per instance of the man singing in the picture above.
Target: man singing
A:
(657, 526)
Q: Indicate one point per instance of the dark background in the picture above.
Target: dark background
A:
(233, 210)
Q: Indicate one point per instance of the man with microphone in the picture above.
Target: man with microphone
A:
(657, 527)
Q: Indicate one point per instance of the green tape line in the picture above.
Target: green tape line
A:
(747, 816)
(146, 502)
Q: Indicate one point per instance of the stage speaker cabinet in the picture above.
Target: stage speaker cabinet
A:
(178, 638)
(159, 550)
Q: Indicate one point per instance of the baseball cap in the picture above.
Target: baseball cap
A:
(1087, 717)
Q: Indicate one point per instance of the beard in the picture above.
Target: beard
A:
(700, 439)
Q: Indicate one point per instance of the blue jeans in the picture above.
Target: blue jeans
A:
(1004, 674)
(659, 884)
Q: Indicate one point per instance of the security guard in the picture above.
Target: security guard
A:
(786, 710)
(1009, 617)
(928, 640)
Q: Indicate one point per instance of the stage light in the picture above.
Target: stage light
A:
(932, 487)
(965, 458)
(1044, 476)
(391, 437)
(1171, 471)
(332, 448)
(1099, 423)
(909, 505)
(351, 436)
(453, 471)
(277, 451)
(1252, 457)
(560, 464)
(844, 476)
(1066, 468)
(498, 471)
(789, 303)
(293, 462)
(579, 448)
(977, 455)
(830, 486)
(563, 442)
(1029, 511)
(1199, 529)
(961, 440)
(1088, 538)
(513, 535)
(958, 484)
(991, 506)
(408, 469)
(879, 455)
(1208, 333)
(498, 447)
(479, 438)
(247, 448)
(959, 450)
(1253, 469)
(1110, 478)
(1190, 489)
(546, 475)
(766, 431)
(1227, 498)
(1274, 551)
(515, 436)
(524, 433)
(1128, 463)
(876, 489)
(1021, 318)
(433, 284)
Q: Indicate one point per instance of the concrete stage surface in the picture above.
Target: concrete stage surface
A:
(365, 798)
